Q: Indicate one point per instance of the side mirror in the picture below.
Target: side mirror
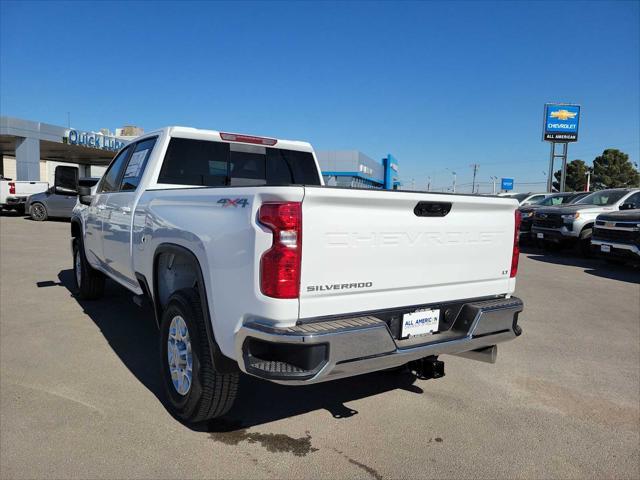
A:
(66, 180)
(84, 195)
(628, 206)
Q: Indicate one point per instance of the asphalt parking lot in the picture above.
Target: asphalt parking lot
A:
(80, 392)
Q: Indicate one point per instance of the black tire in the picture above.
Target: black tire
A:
(614, 261)
(211, 393)
(38, 212)
(90, 282)
(552, 246)
(584, 243)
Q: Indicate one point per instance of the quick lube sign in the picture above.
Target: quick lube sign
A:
(561, 122)
(93, 140)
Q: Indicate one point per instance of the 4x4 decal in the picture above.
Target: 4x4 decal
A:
(238, 202)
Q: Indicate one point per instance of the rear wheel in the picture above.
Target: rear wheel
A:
(196, 390)
(89, 282)
(38, 212)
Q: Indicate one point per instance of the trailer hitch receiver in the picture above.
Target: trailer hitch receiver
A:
(427, 368)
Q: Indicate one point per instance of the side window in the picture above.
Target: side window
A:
(635, 199)
(195, 162)
(110, 180)
(137, 163)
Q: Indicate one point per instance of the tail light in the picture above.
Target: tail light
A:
(516, 245)
(12, 188)
(280, 265)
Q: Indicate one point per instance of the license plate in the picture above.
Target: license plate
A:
(422, 322)
(540, 235)
(605, 248)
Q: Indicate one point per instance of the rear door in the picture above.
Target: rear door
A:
(119, 210)
(96, 212)
(365, 250)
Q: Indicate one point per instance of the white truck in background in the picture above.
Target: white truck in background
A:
(252, 265)
(14, 193)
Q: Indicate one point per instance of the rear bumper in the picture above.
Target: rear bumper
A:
(15, 201)
(355, 345)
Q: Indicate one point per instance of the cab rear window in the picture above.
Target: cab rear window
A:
(214, 164)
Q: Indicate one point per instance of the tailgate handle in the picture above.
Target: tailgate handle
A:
(432, 209)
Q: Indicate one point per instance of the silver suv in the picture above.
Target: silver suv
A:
(573, 224)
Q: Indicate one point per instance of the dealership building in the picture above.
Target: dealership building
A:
(351, 168)
(32, 150)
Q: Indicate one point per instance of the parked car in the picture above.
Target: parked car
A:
(573, 224)
(527, 198)
(554, 200)
(47, 204)
(616, 235)
(14, 193)
(252, 265)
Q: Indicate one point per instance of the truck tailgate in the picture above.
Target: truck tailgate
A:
(367, 250)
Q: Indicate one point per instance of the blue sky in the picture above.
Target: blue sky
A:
(438, 85)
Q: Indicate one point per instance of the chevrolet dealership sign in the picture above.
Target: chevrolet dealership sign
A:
(561, 122)
(93, 140)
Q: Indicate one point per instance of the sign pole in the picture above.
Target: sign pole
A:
(563, 173)
(550, 176)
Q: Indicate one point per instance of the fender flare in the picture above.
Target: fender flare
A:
(222, 363)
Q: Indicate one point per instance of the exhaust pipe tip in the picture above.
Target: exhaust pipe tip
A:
(486, 354)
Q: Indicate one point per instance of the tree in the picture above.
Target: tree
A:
(613, 169)
(576, 176)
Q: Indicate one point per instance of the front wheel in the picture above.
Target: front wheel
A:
(584, 243)
(196, 390)
(89, 282)
(38, 212)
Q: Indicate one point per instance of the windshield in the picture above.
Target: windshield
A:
(518, 196)
(605, 197)
(554, 200)
(577, 197)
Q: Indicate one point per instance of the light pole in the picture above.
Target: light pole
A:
(588, 174)
(428, 184)
(494, 179)
(475, 167)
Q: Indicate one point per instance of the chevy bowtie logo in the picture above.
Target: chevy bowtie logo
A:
(563, 114)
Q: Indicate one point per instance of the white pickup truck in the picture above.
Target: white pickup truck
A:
(252, 265)
(14, 193)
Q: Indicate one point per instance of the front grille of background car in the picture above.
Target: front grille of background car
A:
(551, 221)
(622, 236)
(525, 225)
